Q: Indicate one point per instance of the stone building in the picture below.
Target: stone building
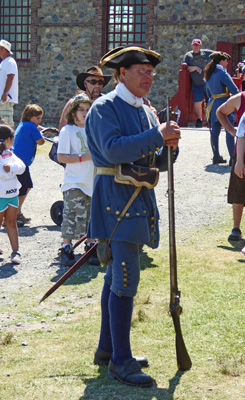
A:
(55, 40)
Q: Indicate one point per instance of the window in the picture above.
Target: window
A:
(126, 23)
(242, 52)
(15, 25)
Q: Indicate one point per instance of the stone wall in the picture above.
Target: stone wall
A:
(69, 36)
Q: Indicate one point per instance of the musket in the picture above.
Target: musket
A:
(78, 242)
(70, 271)
(183, 359)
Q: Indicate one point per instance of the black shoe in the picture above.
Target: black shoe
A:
(102, 357)
(219, 160)
(198, 123)
(93, 260)
(129, 373)
(66, 257)
(235, 235)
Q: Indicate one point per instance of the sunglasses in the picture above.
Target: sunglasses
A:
(94, 81)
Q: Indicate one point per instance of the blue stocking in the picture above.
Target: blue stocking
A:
(120, 309)
(105, 333)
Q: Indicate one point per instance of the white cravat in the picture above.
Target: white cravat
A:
(219, 66)
(122, 92)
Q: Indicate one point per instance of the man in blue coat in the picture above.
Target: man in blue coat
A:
(121, 129)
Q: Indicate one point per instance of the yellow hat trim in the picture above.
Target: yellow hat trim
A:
(105, 59)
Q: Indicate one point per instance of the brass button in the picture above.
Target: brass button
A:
(125, 275)
(152, 218)
(123, 263)
(152, 233)
(152, 241)
(125, 280)
(142, 117)
(117, 212)
(152, 226)
(124, 269)
(157, 148)
(144, 211)
(140, 110)
(138, 214)
(144, 126)
(108, 208)
(150, 152)
(127, 214)
(125, 285)
(143, 155)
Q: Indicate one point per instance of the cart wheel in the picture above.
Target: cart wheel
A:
(56, 212)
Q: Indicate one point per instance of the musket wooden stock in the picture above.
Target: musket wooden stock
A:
(70, 271)
(183, 359)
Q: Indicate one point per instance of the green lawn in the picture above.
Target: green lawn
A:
(46, 350)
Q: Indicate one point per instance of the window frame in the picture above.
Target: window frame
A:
(137, 35)
(16, 27)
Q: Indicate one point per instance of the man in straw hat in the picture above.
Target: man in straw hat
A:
(8, 82)
(92, 81)
(121, 129)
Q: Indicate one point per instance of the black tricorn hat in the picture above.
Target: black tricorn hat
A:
(217, 56)
(126, 56)
(91, 71)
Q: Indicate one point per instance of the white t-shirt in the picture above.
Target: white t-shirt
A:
(73, 140)
(9, 184)
(9, 66)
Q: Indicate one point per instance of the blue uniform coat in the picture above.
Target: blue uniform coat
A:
(217, 84)
(120, 133)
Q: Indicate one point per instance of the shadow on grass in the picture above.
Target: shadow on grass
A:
(84, 274)
(27, 230)
(218, 168)
(103, 388)
(234, 246)
(87, 272)
(7, 270)
(146, 261)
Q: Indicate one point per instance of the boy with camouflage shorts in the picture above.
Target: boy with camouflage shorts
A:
(78, 177)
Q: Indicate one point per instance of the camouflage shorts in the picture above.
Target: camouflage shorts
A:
(76, 214)
(7, 112)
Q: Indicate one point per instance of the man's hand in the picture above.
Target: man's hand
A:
(170, 132)
(4, 97)
(239, 169)
(194, 68)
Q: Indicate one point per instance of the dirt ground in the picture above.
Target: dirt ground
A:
(200, 199)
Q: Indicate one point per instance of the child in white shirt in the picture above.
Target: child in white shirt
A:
(10, 166)
(77, 185)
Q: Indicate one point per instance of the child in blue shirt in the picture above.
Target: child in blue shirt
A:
(27, 136)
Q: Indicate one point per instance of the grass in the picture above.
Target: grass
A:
(46, 350)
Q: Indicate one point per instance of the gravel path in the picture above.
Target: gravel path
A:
(200, 199)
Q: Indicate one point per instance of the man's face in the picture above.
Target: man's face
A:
(196, 48)
(2, 52)
(138, 78)
(224, 63)
(94, 86)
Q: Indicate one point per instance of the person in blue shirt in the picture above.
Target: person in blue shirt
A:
(121, 129)
(27, 137)
(219, 85)
(197, 59)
